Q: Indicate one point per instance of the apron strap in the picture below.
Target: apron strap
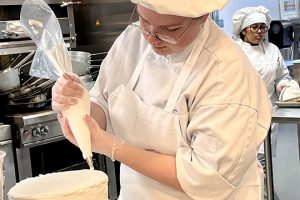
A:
(133, 80)
(185, 72)
(187, 69)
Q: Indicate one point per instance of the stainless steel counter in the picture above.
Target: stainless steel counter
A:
(279, 115)
(286, 115)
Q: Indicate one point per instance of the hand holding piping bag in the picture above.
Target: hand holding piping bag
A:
(102, 142)
(75, 115)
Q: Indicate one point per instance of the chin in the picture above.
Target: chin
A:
(163, 51)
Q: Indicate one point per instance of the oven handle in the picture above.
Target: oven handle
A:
(44, 141)
(5, 142)
(66, 4)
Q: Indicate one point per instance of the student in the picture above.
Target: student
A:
(178, 104)
(250, 27)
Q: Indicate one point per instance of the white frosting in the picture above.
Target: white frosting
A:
(70, 185)
(75, 115)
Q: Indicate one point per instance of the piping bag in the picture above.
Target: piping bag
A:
(51, 60)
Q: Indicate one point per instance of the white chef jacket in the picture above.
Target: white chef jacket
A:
(226, 103)
(268, 61)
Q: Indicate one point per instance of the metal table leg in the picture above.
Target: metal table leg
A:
(298, 132)
(269, 167)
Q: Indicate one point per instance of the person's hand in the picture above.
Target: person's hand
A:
(66, 92)
(102, 142)
(66, 129)
(281, 85)
(291, 91)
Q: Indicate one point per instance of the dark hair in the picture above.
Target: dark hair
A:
(242, 36)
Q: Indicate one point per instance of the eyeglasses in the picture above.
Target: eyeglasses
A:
(159, 36)
(255, 28)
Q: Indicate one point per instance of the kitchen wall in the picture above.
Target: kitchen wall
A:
(234, 5)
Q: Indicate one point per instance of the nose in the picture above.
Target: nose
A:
(151, 34)
(152, 38)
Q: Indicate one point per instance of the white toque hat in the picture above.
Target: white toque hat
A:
(250, 15)
(184, 8)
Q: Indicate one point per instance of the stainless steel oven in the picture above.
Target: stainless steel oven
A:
(8, 164)
(41, 148)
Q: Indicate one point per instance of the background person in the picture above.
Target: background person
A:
(250, 27)
(169, 109)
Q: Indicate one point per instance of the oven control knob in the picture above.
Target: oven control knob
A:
(36, 132)
(26, 133)
(44, 130)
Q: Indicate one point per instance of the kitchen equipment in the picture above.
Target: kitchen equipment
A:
(281, 33)
(2, 155)
(14, 60)
(289, 103)
(99, 23)
(30, 106)
(82, 61)
(11, 92)
(14, 40)
(5, 61)
(32, 97)
(9, 77)
(35, 99)
(82, 67)
(32, 89)
(84, 56)
(8, 170)
(41, 146)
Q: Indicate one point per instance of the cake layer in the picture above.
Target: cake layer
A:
(69, 185)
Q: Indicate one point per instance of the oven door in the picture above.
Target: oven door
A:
(51, 157)
(8, 167)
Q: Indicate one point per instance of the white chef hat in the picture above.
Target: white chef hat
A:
(185, 8)
(250, 15)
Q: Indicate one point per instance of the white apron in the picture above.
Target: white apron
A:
(150, 128)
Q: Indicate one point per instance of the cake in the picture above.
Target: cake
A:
(69, 185)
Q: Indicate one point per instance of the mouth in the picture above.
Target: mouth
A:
(158, 47)
(258, 37)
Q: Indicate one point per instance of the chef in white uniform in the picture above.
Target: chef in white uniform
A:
(250, 27)
(178, 104)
